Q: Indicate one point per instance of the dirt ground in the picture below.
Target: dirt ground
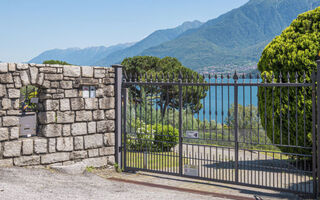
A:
(44, 184)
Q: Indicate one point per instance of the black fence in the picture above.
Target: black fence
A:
(257, 130)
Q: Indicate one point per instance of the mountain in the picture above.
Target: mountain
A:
(154, 39)
(235, 38)
(77, 56)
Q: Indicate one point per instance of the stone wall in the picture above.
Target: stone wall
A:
(70, 128)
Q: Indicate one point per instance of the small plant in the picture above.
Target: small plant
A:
(90, 168)
(117, 168)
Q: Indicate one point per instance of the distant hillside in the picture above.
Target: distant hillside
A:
(77, 56)
(235, 38)
(154, 39)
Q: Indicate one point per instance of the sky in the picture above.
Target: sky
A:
(29, 27)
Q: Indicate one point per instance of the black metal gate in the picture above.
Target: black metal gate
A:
(257, 130)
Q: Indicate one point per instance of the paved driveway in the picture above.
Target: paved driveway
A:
(24, 183)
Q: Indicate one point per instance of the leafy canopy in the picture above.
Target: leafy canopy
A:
(293, 52)
(52, 62)
(168, 68)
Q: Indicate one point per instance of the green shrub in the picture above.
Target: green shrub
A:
(152, 137)
(294, 51)
(166, 137)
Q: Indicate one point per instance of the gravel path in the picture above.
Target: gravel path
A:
(24, 183)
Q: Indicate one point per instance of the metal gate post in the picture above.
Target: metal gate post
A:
(318, 123)
(118, 101)
(180, 125)
(236, 149)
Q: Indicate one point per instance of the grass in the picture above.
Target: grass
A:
(154, 160)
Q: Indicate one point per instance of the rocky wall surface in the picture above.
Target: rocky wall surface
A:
(70, 128)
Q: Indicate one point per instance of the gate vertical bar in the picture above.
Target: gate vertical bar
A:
(118, 88)
(236, 150)
(124, 125)
(314, 145)
(180, 125)
(318, 122)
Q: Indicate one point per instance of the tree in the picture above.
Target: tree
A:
(59, 62)
(165, 69)
(293, 53)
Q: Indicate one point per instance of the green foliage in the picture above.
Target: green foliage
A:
(152, 137)
(166, 137)
(247, 117)
(27, 93)
(294, 51)
(59, 62)
(164, 69)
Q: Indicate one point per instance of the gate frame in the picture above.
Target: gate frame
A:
(120, 128)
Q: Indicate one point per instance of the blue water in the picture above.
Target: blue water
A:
(216, 101)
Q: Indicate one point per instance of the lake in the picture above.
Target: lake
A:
(220, 102)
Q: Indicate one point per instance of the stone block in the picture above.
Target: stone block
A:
(16, 104)
(78, 155)
(27, 147)
(13, 112)
(52, 145)
(92, 127)
(106, 103)
(99, 73)
(54, 84)
(6, 162)
(66, 130)
(64, 104)
(4, 134)
(99, 93)
(6, 78)
(48, 70)
(105, 126)
(98, 115)
(79, 128)
(66, 84)
(71, 71)
(91, 103)
(46, 84)
(93, 141)
(65, 144)
(6, 104)
(12, 149)
(14, 93)
(53, 77)
(10, 121)
(40, 78)
(110, 114)
(17, 82)
(52, 130)
(3, 90)
(26, 160)
(109, 139)
(77, 104)
(96, 162)
(87, 71)
(21, 66)
(65, 117)
(12, 67)
(83, 116)
(51, 104)
(40, 146)
(109, 90)
(14, 133)
(71, 93)
(104, 151)
(3, 67)
(24, 78)
(111, 160)
(55, 157)
(78, 143)
(93, 153)
(33, 75)
(47, 117)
